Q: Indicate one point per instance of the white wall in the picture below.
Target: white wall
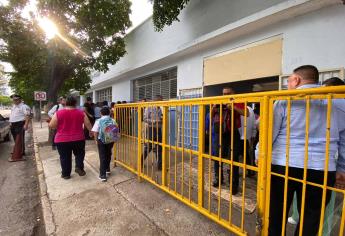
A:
(121, 91)
(316, 38)
(144, 45)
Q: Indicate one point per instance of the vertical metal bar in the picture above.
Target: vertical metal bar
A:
(116, 144)
(286, 163)
(232, 159)
(139, 145)
(220, 148)
(123, 137)
(305, 165)
(129, 120)
(245, 164)
(210, 157)
(325, 179)
(176, 145)
(182, 188)
(200, 157)
(190, 153)
(266, 160)
(152, 143)
(164, 142)
(169, 171)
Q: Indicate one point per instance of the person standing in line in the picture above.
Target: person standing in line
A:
(19, 119)
(293, 219)
(305, 77)
(250, 135)
(105, 132)
(70, 137)
(227, 132)
(153, 118)
(61, 102)
(89, 112)
(97, 110)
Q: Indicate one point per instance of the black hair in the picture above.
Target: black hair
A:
(118, 102)
(105, 103)
(71, 101)
(123, 102)
(334, 81)
(112, 104)
(105, 111)
(308, 72)
(89, 99)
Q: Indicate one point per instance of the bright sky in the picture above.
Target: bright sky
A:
(141, 10)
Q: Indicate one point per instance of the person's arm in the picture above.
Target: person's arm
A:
(87, 122)
(27, 117)
(239, 108)
(278, 117)
(95, 130)
(54, 122)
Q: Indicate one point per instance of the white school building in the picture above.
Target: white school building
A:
(250, 45)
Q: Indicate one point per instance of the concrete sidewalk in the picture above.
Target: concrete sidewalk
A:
(121, 206)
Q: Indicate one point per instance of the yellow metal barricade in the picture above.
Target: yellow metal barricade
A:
(175, 146)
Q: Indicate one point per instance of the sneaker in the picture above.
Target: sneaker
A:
(80, 172)
(292, 221)
(65, 176)
(103, 178)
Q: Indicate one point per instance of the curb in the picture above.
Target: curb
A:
(48, 216)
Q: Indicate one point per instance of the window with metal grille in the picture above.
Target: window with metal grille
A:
(162, 83)
(323, 75)
(191, 119)
(104, 95)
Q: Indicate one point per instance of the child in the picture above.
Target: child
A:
(106, 133)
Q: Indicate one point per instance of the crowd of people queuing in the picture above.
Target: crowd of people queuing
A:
(72, 126)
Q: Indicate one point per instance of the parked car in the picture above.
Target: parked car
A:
(4, 129)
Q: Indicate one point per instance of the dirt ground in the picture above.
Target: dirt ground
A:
(20, 209)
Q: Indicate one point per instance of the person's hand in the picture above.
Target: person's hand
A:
(340, 180)
(91, 134)
(26, 127)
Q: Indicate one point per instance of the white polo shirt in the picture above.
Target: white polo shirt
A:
(19, 112)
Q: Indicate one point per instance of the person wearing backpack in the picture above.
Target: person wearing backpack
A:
(106, 132)
(61, 102)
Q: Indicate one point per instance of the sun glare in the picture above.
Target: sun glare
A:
(48, 27)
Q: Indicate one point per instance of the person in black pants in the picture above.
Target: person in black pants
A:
(19, 119)
(153, 118)
(104, 149)
(313, 198)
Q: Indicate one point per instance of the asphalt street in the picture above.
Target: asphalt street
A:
(20, 209)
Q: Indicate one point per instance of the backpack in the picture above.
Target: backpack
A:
(108, 131)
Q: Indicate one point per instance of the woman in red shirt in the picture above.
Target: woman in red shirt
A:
(70, 137)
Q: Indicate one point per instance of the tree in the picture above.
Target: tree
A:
(165, 12)
(94, 31)
(92, 37)
(5, 101)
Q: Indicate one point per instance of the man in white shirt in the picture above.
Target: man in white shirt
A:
(19, 119)
(61, 102)
(250, 134)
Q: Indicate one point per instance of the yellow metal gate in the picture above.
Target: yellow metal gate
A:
(156, 144)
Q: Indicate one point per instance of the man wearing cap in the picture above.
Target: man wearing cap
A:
(19, 119)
